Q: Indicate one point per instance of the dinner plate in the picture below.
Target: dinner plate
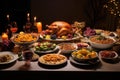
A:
(61, 40)
(48, 51)
(50, 61)
(84, 63)
(13, 56)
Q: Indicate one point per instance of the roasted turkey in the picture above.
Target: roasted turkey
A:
(60, 28)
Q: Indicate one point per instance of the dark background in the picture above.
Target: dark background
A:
(17, 9)
(48, 11)
(66, 10)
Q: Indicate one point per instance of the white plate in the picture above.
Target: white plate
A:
(90, 63)
(41, 60)
(74, 38)
(105, 34)
(49, 51)
(14, 57)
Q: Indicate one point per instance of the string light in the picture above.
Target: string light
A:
(112, 7)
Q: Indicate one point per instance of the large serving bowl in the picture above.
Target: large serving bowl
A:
(101, 42)
(24, 38)
(84, 55)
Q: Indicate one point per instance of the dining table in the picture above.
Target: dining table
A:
(70, 67)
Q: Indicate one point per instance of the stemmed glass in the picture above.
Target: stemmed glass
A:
(27, 54)
(13, 27)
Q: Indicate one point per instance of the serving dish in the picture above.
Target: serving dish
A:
(7, 57)
(86, 64)
(35, 57)
(24, 38)
(108, 54)
(67, 47)
(83, 45)
(52, 59)
(98, 31)
(108, 33)
(84, 55)
(101, 42)
(44, 47)
(61, 39)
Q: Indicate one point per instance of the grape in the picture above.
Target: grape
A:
(89, 32)
(70, 36)
(53, 36)
(9, 45)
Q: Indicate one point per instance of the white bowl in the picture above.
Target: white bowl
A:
(108, 55)
(98, 31)
(84, 56)
(100, 45)
(65, 47)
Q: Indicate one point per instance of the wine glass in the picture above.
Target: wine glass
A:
(27, 54)
(14, 27)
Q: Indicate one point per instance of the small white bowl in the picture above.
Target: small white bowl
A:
(107, 54)
(98, 31)
(62, 45)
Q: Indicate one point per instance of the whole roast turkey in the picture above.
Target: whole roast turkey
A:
(60, 28)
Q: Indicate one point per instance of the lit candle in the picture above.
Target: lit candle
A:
(4, 36)
(28, 17)
(39, 27)
(28, 14)
(8, 17)
(35, 19)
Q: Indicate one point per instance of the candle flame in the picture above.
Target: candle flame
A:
(28, 14)
(35, 18)
(8, 16)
